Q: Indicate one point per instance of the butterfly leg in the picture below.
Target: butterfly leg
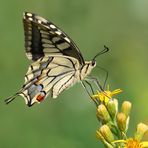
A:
(90, 87)
(84, 86)
(101, 89)
(97, 83)
(106, 76)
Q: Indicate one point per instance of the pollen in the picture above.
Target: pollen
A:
(132, 143)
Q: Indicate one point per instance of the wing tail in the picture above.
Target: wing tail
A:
(11, 98)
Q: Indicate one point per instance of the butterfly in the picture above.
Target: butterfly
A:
(57, 63)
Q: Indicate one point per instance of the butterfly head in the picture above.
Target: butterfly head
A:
(93, 63)
(90, 64)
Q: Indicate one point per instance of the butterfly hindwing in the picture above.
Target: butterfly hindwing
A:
(48, 76)
(43, 38)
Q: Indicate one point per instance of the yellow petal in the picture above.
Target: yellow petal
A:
(144, 144)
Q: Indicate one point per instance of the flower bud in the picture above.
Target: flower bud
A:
(106, 133)
(141, 130)
(103, 114)
(122, 121)
(112, 107)
(106, 143)
(126, 108)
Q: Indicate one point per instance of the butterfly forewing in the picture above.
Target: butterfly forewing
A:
(44, 38)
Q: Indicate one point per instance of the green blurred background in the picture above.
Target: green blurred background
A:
(70, 121)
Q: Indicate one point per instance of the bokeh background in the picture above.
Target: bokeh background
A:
(70, 121)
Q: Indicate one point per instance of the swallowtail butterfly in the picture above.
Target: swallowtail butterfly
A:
(57, 62)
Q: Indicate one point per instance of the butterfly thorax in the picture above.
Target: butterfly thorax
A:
(86, 69)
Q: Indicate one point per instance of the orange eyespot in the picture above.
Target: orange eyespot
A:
(40, 97)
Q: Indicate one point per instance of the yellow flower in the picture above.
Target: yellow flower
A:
(132, 143)
(105, 96)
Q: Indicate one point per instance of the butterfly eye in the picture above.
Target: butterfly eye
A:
(93, 63)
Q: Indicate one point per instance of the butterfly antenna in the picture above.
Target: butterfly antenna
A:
(106, 49)
(11, 98)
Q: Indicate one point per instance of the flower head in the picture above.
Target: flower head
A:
(132, 143)
(136, 141)
(106, 95)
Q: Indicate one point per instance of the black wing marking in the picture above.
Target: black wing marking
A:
(47, 76)
(43, 38)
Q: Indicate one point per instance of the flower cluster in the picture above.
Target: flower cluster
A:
(114, 123)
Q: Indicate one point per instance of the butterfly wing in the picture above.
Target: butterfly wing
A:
(48, 76)
(48, 47)
(43, 38)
